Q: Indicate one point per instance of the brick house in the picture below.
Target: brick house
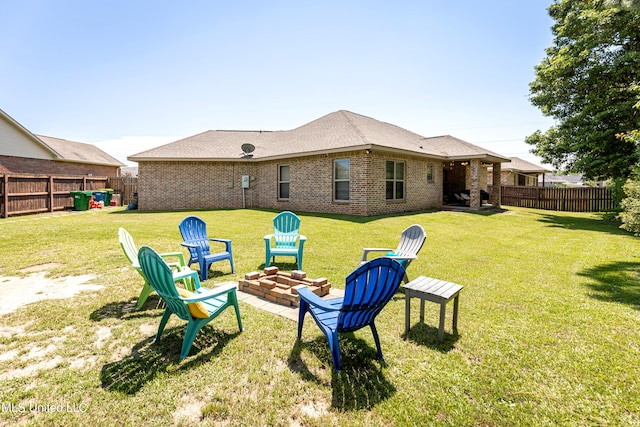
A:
(340, 163)
(521, 172)
(22, 152)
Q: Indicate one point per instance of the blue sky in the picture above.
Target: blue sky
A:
(130, 75)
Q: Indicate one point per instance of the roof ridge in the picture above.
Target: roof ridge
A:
(439, 136)
(352, 123)
(245, 131)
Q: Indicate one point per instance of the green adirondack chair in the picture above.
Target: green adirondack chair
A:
(131, 252)
(286, 227)
(197, 308)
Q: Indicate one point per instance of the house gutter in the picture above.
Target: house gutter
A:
(371, 147)
(86, 162)
(492, 159)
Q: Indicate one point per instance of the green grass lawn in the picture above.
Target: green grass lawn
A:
(549, 327)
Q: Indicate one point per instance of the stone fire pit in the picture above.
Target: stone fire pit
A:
(280, 287)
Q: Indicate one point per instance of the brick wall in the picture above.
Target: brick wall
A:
(311, 185)
(25, 165)
(215, 185)
(419, 193)
(194, 185)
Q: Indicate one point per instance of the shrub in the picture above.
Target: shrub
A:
(630, 205)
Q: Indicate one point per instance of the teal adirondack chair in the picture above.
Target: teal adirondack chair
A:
(131, 252)
(197, 308)
(286, 238)
(367, 290)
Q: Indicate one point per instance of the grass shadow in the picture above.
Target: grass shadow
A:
(282, 266)
(148, 359)
(361, 383)
(213, 274)
(483, 211)
(581, 223)
(427, 336)
(127, 309)
(339, 217)
(617, 281)
(423, 334)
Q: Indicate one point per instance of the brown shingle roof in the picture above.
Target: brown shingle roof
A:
(79, 152)
(335, 132)
(517, 164)
(457, 149)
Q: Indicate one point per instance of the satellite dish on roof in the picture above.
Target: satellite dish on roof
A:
(248, 148)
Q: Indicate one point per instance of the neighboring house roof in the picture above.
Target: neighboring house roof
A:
(17, 141)
(23, 143)
(336, 132)
(79, 152)
(522, 166)
(457, 149)
(570, 180)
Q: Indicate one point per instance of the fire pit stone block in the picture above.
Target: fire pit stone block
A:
(298, 275)
(294, 289)
(270, 271)
(266, 283)
(280, 287)
(252, 276)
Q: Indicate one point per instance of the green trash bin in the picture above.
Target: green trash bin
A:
(109, 192)
(81, 200)
(100, 196)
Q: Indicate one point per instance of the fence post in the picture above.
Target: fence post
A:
(539, 197)
(5, 195)
(50, 193)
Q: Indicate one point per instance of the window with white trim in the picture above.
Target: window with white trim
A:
(284, 179)
(341, 179)
(395, 180)
(429, 173)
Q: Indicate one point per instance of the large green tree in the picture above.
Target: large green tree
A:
(588, 83)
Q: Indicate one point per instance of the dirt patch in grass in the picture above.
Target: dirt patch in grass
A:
(40, 267)
(19, 291)
(32, 369)
(103, 333)
(188, 411)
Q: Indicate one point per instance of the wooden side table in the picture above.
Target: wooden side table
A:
(438, 291)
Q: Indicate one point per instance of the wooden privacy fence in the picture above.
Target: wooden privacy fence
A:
(126, 186)
(574, 199)
(24, 194)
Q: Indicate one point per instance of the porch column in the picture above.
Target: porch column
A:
(475, 184)
(496, 190)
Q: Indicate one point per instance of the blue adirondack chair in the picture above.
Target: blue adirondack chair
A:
(131, 252)
(197, 308)
(286, 238)
(367, 291)
(194, 234)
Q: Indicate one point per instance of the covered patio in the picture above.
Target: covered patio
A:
(465, 182)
